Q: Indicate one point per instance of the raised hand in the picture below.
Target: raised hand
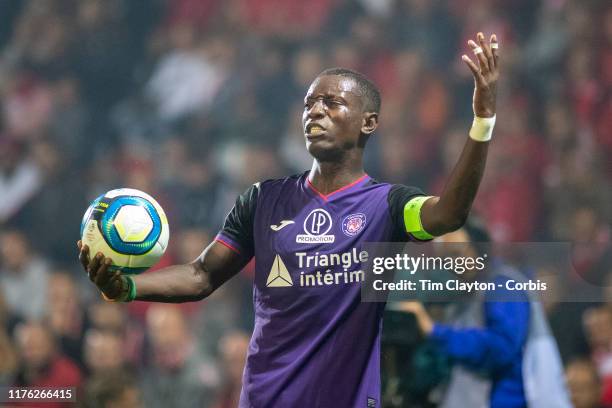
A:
(485, 74)
(112, 284)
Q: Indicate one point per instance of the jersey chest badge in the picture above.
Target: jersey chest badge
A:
(353, 224)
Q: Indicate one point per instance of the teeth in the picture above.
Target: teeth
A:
(316, 128)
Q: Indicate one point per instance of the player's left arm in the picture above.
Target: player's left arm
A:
(448, 212)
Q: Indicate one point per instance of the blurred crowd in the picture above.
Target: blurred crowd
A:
(192, 101)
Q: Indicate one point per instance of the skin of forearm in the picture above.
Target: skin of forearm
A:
(174, 284)
(449, 212)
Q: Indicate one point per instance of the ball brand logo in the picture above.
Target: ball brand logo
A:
(353, 224)
(316, 225)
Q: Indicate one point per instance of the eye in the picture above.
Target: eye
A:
(333, 103)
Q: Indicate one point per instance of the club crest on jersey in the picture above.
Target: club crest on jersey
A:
(353, 224)
(316, 225)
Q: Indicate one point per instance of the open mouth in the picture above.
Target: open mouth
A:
(313, 129)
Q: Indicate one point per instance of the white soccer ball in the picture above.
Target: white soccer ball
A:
(129, 227)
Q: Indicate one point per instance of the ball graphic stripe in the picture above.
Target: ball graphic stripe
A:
(112, 236)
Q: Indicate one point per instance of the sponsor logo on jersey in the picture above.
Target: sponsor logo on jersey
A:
(279, 275)
(353, 224)
(319, 269)
(282, 225)
(316, 225)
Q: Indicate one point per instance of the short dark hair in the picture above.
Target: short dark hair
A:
(366, 87)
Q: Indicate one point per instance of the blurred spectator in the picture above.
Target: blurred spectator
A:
(233, 352)
(500, 344)
(584, 384)
(23, 275)
(65, 314)
(177, 375)
(200, 69)
(104, 352)
(108, 317)
(8, 359)
(59, 200)
(42, 364)
(20, 178)
(598, 329)
(117, 390)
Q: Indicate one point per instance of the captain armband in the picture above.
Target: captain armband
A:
(412, 218)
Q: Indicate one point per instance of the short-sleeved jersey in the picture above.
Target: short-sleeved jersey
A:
(314, 344)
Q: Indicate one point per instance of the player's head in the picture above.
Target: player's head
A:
(341, 111)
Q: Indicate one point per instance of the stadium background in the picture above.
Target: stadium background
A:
(194, 100)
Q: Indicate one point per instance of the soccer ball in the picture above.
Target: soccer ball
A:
(129, 227)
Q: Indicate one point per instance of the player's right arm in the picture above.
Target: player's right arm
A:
(222, 259)
(178, 283)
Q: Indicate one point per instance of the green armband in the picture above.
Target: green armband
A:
(412, 218)
(128, 295)
(132, 291)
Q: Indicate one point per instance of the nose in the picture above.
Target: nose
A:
(317, 110)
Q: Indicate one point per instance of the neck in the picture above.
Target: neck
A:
(330, 176)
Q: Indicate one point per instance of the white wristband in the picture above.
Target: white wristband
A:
(482, 129)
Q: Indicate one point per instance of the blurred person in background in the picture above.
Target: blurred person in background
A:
(109, 317)
(104, 352)
(8, 352)
(592, 249)
(8, 359)
(500, 344)
(584, 384)
(58, 200)
(23, 275)
(20, 178)
(176, 374)
(233, 347)
(41, 362)
(116, 390)
(597, 322)
(202, 64)
(66, 315)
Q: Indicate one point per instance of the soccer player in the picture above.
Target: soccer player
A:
(315, 344)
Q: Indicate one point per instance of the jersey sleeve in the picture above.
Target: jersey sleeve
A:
(404, 206)
(237, 231)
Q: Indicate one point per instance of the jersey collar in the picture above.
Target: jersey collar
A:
(349, 187)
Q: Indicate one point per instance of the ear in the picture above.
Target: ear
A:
(369, 123)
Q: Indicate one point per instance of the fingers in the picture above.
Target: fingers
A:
(83, 255)
(487, 55)
(494, 49)
(94, 264)
(103, 275)
(480, 56)
(486, 51)
(472, 66)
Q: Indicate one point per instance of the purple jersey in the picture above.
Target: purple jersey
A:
(315, 344)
